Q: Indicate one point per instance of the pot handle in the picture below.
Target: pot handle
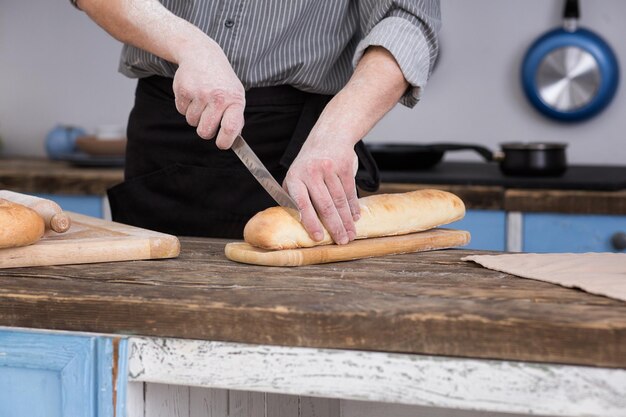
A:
(481, 150)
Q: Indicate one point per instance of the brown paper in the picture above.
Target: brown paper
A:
(597, 273)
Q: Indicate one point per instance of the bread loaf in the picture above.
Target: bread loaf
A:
(19, 225)
(381, 215)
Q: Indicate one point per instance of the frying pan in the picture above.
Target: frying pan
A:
(570, 73)
(514, 158)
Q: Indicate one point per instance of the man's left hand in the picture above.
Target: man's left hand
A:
(321, 181)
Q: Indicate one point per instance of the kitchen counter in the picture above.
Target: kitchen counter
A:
(397, 334)
(426, 303)
(526, 200)
(57, 177)
(583, 189)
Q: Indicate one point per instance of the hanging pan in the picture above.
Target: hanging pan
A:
(570, 73)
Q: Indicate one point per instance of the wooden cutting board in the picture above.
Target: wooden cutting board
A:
(358, 249)
(92, 240)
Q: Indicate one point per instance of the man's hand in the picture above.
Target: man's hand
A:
(210, 96)
(321, 178)
(206, 89)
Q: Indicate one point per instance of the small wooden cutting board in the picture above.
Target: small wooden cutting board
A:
(358, 249)
(92, 240)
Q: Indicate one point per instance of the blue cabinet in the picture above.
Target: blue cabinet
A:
(543, 232)
(487, 227)
(549, 232)
(45, 374)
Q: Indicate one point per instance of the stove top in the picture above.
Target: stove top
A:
(577, 177)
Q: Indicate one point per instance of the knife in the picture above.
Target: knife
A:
(262, 175)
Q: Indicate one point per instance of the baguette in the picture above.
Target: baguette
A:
(19, 225)
(381, 215)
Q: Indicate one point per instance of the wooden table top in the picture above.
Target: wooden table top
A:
(425, 303)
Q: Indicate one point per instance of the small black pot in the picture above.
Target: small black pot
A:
(515, 158)
(532, 159)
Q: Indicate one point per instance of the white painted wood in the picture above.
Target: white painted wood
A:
(281, 405)
(246, 404)
(164, 400)
(319, 407)
(208, 402)
(486, 385)
(135, 399)
(514, 231)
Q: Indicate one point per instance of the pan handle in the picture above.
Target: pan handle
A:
(481, 150)
(572, 10)
(571, 14)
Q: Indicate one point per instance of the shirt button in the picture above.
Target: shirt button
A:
(229, 23)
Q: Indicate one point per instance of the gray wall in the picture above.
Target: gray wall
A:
(59, 67)
(56, 66)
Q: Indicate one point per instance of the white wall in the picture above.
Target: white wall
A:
(475, 94)
(56, 66)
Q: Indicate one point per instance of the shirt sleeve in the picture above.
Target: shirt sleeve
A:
(408, 30)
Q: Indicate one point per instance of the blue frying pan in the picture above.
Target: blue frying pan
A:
(570, 73)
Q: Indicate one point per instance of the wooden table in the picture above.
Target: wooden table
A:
(421, 329)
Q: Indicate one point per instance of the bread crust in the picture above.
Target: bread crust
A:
(19, 225)
(381, 215)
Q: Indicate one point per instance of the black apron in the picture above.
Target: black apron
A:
(177, 183)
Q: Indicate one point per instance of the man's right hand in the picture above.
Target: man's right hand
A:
(206, 89)
(209, 94)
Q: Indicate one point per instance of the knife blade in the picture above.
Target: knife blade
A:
(262, 175)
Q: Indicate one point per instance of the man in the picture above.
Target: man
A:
(278, 72)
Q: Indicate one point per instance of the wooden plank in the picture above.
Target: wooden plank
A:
(319, 407)
(351, 408)
(246, 404)
(435, 381)
(92, 240)
(166, 400)
(566, 201)
(135, 399)
(365, 248)
(427, 303)
(208, 402)
(281, 405)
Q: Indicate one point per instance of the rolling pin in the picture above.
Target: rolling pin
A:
(54, 216)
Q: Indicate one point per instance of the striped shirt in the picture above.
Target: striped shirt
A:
(312, 45)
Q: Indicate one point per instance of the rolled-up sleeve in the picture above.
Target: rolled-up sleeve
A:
(408, 30)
